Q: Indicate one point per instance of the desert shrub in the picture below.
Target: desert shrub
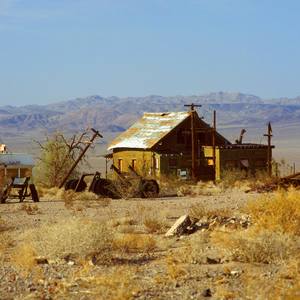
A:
(134, 243)
(70, 197)
(198, 211)
(6, 241)
(153, 224)
(76, 236)
(148, 218)
(30, 209)
(195, 249)
(277, 212)
(257, 246)
(201, 188)
(57, 156)
(184, 190)
(230, 177)
(117, 284)
(50, 193)
(235, 178)
(174, 268)
(24, 258)
(5, 237)
(285, 284)
(127, 221)
(169, 185)
(3, 225)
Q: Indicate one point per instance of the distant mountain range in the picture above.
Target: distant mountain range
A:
(113, 114)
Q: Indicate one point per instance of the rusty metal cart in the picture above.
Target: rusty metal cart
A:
(19, 188)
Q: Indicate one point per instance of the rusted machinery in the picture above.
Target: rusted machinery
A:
(23, 190)
(282, 183)
(98, 185)
(142, 187)
(133, 185)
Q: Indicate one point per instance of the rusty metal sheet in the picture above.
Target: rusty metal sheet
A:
(148, 130)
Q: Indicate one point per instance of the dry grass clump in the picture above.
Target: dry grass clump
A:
(169, 185)
(30, 209)
(240, 179)
(154, 224)
(257, 246)
(194, 251)
(124, 224)
(5, 237)
(23, 257)
(148, 218)
(199, 211)
(274, 236)
(277, 212)
(70, 197)
(175, 269)
(206, 189)
(134, 243)
(200, 189)
(3, 225)
(284, 285)
(124, 221)
(116, 284)
(54, 194)
(6, 242)
(233, 177)
(76, 236)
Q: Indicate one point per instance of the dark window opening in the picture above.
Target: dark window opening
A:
(133, 164)
(120, 165)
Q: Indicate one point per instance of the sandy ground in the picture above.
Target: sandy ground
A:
(155, 276)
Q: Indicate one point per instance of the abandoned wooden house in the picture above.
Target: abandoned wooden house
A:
(15, 165)
(181, 144)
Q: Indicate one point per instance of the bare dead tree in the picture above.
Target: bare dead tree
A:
(57, 155)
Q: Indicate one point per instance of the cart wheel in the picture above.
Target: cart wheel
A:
(34, 193)
(149, 189)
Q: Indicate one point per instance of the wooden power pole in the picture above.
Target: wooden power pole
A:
(269, 155)
(214, 141)
(194, 139)
(90, 142)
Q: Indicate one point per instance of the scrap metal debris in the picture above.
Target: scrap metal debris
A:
(283, 183)
(187, 225)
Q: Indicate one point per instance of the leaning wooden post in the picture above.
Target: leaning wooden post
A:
(96, 134)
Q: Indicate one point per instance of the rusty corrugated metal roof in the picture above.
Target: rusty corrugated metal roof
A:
(148, 130)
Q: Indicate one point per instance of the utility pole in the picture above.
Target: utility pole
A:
(194, 139)
(269, 156)
(214, 141)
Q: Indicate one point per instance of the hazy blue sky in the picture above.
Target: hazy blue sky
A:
(53, 50)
